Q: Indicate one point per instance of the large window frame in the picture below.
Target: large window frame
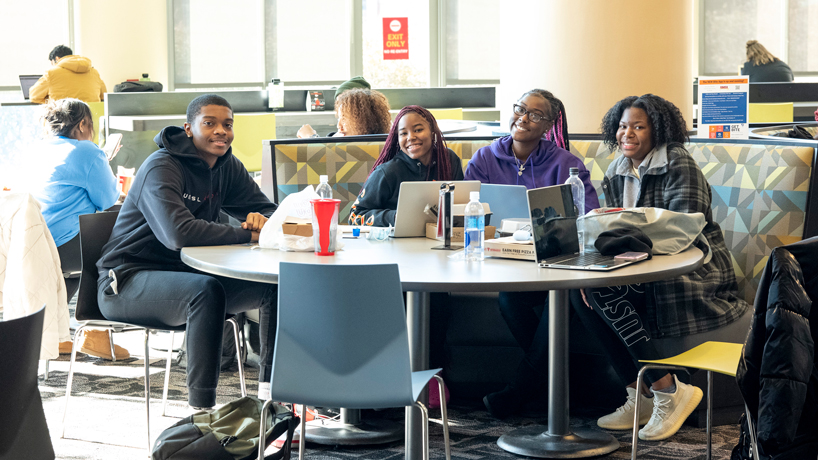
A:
(438, 52)
(784, 40)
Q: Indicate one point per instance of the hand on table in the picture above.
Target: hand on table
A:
(254, 223)
(306, 131)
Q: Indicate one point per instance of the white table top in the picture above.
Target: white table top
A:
(424, 269)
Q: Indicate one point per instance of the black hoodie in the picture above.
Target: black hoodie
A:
(175, 202)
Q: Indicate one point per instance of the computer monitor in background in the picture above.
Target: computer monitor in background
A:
(26, 82)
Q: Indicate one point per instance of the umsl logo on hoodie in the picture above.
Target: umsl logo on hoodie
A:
(197, 199)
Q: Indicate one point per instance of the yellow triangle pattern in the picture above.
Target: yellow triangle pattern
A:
(774, 175)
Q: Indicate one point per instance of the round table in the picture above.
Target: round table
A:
(423, 270)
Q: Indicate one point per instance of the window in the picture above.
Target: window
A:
(26, 40)
(396, 73)
(782, 26)
(472, 42)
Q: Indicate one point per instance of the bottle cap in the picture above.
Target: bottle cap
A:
(474, 196)
(323, 178)
(144, 75)
(573, 170)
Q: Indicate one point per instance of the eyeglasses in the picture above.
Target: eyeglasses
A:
(533, 116)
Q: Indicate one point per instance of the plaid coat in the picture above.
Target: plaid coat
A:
(702, 300)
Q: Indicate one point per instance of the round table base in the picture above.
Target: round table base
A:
(336, 433)
(534, 441)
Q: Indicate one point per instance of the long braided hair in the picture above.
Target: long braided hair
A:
(440, 153)
(558, 133)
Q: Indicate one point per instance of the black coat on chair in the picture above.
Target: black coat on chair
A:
(23, 430)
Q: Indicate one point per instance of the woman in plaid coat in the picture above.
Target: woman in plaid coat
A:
(655, 170)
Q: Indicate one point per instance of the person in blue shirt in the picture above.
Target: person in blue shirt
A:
(73, 178)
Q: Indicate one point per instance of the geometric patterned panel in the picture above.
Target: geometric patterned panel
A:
(759, 196)
(346, 164)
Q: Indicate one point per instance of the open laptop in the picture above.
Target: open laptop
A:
(410, 219)
(26, 82)
(505, 202)
(554, 228)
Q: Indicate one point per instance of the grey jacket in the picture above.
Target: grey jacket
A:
(702, 300)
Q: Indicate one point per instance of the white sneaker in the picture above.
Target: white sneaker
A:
(622, 418)
(670, 410)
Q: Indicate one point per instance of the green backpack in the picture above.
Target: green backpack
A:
(230, 432)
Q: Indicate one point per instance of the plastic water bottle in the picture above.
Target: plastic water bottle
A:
(475, 231)
(578, 191)
(275, 94)
(324, 190)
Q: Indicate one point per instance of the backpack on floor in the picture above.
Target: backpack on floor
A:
(230, 432)
(744, 448)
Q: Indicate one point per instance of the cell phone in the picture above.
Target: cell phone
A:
(632, 256)
(111, 146)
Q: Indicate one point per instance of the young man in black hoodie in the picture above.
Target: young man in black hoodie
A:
(175, 202)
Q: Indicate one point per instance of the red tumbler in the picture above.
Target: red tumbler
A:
(325, 225)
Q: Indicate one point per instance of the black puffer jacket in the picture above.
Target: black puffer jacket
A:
(777, 374)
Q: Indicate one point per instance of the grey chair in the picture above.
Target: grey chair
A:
(95, 229)
(24, 432)
(337, 349)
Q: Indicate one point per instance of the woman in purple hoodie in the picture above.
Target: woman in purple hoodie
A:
(535, 155)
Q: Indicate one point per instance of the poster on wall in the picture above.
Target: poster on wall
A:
(395, 38)
(723, 107)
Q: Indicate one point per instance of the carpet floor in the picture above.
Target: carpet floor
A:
(106, 417)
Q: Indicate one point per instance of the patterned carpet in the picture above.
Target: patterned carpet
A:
(107, 417)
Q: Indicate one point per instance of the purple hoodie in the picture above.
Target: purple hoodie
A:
(547, 165)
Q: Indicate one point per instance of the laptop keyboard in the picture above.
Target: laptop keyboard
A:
(590, 258)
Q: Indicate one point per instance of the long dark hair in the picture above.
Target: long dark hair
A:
(61, 116)
(667, 124)
(558, 133)
(440, 152)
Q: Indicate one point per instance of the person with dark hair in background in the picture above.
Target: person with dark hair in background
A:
(762, 66)
(414, 151)
(77, 179)
(353, 83)
(655, 170)
(70, 76)
(175, 202)
(534, 155)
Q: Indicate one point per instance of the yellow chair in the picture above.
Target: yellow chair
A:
(97, 112)
(447, 114)
(250, 130)
(721, 357)
(771, 113)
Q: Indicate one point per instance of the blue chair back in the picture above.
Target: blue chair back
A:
(338, 346)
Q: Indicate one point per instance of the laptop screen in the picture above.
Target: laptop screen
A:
(26, 82)
(553, 221)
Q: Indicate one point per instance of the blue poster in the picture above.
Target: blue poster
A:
(723, 107)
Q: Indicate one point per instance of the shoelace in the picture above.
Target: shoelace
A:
(659, 408)
(628, 406)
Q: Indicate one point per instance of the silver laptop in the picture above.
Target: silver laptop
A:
(505, 202)
(26, 82)
(554, 228)
(413, 197)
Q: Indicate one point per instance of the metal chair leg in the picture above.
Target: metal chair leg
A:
(424, 428)
(751, 428)
(77, 335)
(262, 428)
(237, 338)
(111, 344)
(167, 375)
(444, 416)
(147, 390)
(709, 414)
(637, 407)
(302, 435)
(45, 371)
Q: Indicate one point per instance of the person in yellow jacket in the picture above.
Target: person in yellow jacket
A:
(70, 76)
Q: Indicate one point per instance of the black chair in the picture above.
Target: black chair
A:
(24, 432)
(95, 229)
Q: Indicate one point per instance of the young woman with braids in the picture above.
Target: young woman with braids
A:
(660, 319)
(535, 155)
(414, 151)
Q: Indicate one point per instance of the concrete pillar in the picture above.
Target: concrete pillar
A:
(592, 53)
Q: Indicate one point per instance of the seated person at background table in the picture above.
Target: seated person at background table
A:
(534, 155)
(414, 151)
(663, 318)
(353, 83)
(70, 76)
(359, 111)
(762, 66)
(73, 178)
(175, 202)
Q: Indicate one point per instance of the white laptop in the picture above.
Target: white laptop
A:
(413, 197)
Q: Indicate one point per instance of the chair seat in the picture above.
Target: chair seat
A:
(718, 357)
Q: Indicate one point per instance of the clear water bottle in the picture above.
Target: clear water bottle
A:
(324, 190)
(578, 190)
(275, 94)
(475, 231)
